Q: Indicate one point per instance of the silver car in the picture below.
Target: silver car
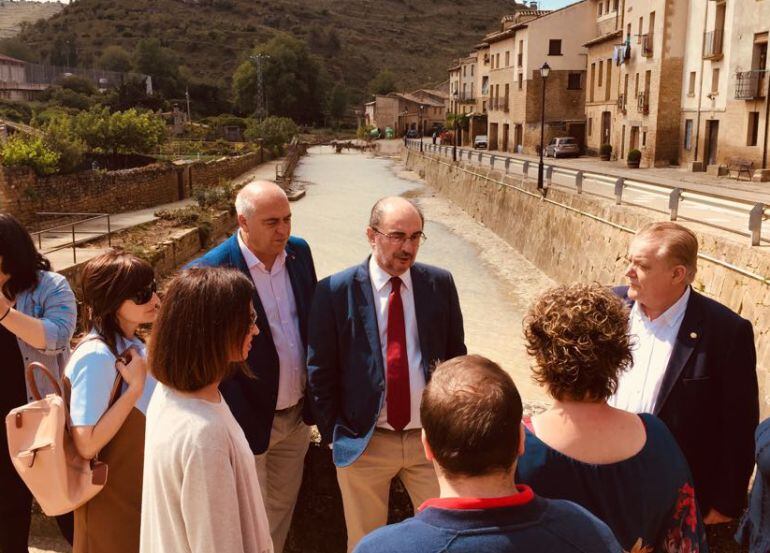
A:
(480, 142)
(564, 146)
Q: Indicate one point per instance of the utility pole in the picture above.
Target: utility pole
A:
(189, 116)
(261, 110)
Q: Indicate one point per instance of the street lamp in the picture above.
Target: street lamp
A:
(419, 125)
(544, 71)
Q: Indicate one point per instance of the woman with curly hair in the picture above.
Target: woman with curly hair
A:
(626, 469)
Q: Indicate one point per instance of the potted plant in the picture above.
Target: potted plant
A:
(633, 159)
(605, 151)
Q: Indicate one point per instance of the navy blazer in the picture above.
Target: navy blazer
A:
(710, 401)
(346, 373)
(253, 400)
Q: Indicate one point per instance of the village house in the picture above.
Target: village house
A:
(724, 98)
(402, 111)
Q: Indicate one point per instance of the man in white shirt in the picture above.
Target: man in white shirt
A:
(271, 408)
(376, 330)
(694, 367)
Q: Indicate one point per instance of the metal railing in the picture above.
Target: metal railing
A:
(647, 45)
(676, 198)
(750, 84)
(464, 97)
(64, 236)
(712, 44)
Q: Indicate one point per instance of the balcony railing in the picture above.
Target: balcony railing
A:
(646, 49)
(622, 102)
(466, 97)
(750, 85)
(498, 104)
(643, 102)
(712, 44)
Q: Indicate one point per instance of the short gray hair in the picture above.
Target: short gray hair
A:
(242, 204)
(375, 217)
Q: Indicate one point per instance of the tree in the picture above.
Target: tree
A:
(61, 138)
(383, 83)
(273, 131)
(32, 152)
(338, 103)
(64, 51)
(122, 132)
(15, 48)
(115, 58)
(78, 84)
(292, 77)
(161, 64)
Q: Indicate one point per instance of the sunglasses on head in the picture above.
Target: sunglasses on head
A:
(145, 294)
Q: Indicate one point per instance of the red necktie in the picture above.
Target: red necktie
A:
(398, 400)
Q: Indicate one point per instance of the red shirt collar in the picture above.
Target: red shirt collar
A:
(524, 496)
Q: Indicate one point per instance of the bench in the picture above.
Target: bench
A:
(741, 166)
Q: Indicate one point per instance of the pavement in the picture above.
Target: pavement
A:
(57, 246)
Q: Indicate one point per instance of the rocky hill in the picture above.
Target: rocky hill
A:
(13, 14)
(417, 39)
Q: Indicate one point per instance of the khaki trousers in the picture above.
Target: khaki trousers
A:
(279, 471)
(365, 485)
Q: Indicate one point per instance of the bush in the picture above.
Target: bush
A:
(20, 151)
(605, 149)
(634, 156)
(274, 131)
(61, 138)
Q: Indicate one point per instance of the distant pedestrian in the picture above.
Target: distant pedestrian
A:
(38, 316)
(119, 295)
(471, 414)
(201, 493)
(375, 331)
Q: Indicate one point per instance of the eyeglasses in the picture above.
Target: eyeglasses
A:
(145, 294)
(401, 238)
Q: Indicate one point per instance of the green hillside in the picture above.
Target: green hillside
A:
(417, 39)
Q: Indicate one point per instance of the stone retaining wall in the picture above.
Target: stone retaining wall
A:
(571, 237)
(23, 193)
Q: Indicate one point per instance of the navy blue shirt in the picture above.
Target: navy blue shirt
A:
(521, 522)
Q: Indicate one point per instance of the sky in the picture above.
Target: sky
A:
(553, 4)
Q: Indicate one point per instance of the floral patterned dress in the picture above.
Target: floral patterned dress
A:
(647, 500)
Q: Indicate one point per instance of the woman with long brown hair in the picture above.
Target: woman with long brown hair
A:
(201, 492)
(110, 394)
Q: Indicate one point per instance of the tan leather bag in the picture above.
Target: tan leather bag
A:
(43, 451)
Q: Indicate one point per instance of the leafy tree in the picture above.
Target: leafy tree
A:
(292, 80)
(61, 138)
(120, 132)
(15, 48)
(383, 83)
(64, 51)
(71, 99)
(161, 64)
(274, 131)
(115, 58)
(22, 151)
(338, 103)
(78, 84)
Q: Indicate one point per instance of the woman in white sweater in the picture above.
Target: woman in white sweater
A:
(200, 492)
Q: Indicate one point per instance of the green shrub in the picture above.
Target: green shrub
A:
(19, 151)
(273, 131)
(605, 149)
(61, 138)
(634, 156)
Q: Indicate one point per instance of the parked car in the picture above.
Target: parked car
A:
(412, 133)
(480, 142)
(563, 146)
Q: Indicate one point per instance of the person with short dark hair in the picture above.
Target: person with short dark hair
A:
(201, 492)
(471, 415)
(38, 315)
(119, 295)
(375, 331)
(694, 367)
(625, 468)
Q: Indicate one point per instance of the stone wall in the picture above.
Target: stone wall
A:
(23, 193)
(574, 237)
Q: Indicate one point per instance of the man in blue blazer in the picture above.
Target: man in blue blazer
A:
(694, 367)
(376, 331)
(270, 405)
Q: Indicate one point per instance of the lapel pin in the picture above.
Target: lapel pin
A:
(693, 335)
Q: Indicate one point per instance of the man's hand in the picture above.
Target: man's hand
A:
(715, 517)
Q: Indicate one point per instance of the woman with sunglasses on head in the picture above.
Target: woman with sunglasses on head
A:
(38, 315)
(119, 295)
(201, 492)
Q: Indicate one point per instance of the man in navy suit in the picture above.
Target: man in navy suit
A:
(694, 367)
(270, 406)
(376, 330)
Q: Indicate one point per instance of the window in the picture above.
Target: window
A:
(628, 33)
(688, 134)
(464, 68)
(715, 80)
(639, 32)
(636, 85)
(521, 81)
(600, 9)
(497, 61)
(554, 47)
(573, 81)
(591, 88)
(590, 125)
(520, 58)
(492, 62)
(691, 84)
(644, 138)
(751, 139)
(507, 96)
(601, 72)
(615, 5)
(472, 70)
(507, 58)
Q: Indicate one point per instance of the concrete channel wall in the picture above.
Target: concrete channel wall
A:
(574, 237)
